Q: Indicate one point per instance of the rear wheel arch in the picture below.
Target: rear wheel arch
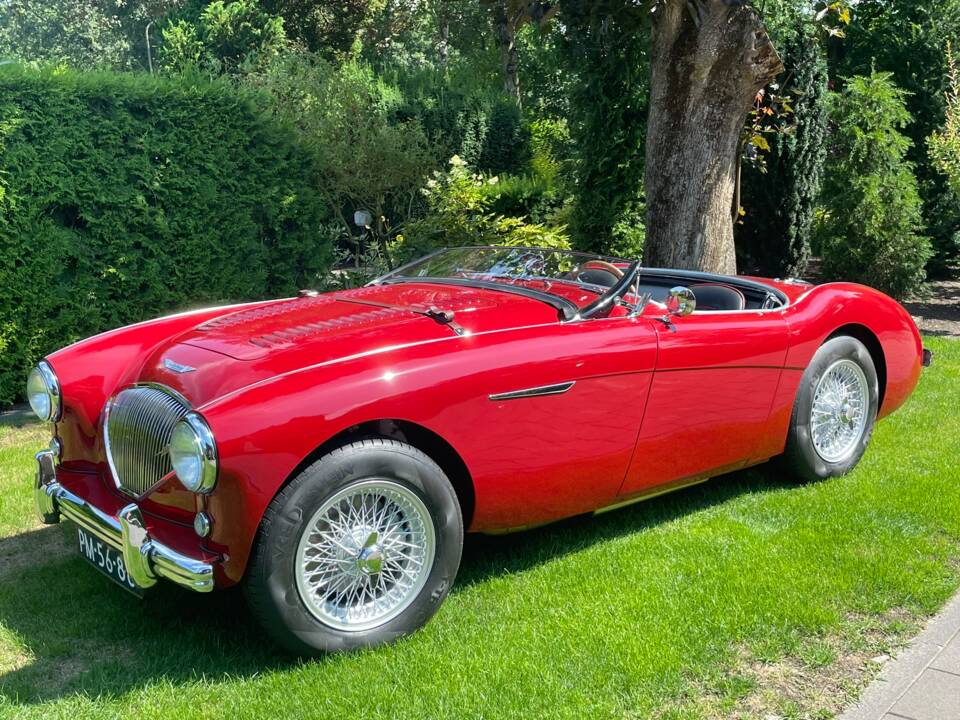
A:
(872, 343)
(423, 439)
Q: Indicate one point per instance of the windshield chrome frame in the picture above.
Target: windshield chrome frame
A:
(606, 297)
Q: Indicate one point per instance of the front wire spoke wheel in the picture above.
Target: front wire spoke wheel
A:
(365, 555)
(839, 414)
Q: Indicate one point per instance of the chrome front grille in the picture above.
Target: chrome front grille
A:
(136, 431)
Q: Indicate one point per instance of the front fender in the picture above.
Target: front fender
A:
(91, 370)
(265, 431)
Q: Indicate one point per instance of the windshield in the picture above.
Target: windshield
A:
(549, 274)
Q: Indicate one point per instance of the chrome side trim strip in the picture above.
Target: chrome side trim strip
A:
(654, 493)
(543, 391)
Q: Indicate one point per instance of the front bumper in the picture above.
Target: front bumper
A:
(146, 559)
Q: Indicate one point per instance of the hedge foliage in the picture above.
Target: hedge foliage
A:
(123, 197)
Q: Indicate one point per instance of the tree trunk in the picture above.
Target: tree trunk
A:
(709, 58)
(505, 29)
(443, 44)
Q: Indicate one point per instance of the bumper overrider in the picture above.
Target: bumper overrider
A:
(146, 559)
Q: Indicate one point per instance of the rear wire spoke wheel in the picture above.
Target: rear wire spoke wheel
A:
(839, 413)
(359, 549)
(835, 411)
(365, 555)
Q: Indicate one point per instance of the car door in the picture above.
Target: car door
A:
(550, 426)
(710, 399)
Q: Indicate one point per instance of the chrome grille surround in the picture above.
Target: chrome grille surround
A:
(137, 425)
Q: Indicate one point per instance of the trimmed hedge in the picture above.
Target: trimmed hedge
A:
(124, 197)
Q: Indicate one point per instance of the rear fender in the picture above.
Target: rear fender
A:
(828, 309)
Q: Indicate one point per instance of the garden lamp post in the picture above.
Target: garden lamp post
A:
(362, 219)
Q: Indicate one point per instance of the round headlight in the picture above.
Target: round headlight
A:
(43, 392)
(193, 454)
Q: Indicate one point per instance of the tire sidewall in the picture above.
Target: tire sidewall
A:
(294, 624)
(800, 445)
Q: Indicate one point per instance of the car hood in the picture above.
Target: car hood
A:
(241, 347)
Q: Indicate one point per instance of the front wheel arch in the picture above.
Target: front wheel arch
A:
(410, 480)
(423, 439)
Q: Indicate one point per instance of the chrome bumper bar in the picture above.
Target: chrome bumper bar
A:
(145, 558)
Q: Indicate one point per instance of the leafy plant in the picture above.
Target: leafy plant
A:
(779, 197)
(909, 38)
(329, 27)
(605, 47)
(228, 36)
(463, 117)
(74, 32)
(368, 157)
(551, 149)
(459, 213)
(945, 143)
(872, 228)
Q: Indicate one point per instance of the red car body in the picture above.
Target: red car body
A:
(655, 404)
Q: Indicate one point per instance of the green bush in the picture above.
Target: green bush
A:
(527, 196)
(551, 149)
(944, 144)
(79, 33)
(368, 157)
(607, 52)
(463, 117)
(460, 212)
(221, 37)
(871, 229)
(123, 197)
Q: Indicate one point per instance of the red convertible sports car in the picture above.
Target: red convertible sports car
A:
(329, 451)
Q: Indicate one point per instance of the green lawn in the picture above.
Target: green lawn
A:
(746, 596)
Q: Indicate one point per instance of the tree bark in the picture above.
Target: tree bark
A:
(505, 29)
(709, 58)
(443, 43)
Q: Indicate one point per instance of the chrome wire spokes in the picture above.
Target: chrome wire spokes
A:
(840, 408)
(365, 555)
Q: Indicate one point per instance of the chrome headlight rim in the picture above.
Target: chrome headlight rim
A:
(204, 453)
(51, 387)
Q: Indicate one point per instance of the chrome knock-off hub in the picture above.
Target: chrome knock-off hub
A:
(370, 559)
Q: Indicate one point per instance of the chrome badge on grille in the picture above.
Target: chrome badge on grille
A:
(177, 367)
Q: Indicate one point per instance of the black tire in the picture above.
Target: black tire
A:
(271, 585)
(801, 457)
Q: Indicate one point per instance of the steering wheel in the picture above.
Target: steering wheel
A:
(599, 266)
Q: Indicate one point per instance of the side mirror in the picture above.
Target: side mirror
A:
(681, 301)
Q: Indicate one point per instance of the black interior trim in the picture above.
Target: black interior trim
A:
(683, 277)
